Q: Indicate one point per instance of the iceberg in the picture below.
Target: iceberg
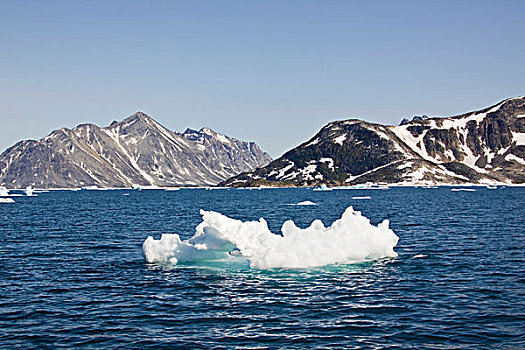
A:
(420, 256)
(367, 186)
(3, 192)
(170, 189)
(350, 239)
(323, 187)
(305, 203)
(6, 200)
(29, 191)
(92, 188)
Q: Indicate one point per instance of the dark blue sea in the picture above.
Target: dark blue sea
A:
(72, 274)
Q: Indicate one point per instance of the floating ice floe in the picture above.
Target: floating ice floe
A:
(366, 186)
(6, 200)
(29, 191)
(419, 256)
(463, 189)
(305, 203)
(3, 192)
(363, 197)
(323, 187)
(142, 188)
(350, 239)
(93, 188)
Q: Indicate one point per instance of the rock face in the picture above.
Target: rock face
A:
(136, 151)
(486, 146)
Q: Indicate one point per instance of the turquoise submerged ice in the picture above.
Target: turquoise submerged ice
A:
(350, 239)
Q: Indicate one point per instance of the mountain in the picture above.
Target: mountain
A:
(486, 146)
(135, 151)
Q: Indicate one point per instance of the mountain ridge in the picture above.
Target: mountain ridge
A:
(483, 147)
(135, 151)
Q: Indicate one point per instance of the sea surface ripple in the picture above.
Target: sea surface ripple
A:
(73, 275)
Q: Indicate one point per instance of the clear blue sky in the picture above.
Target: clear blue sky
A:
(273, 72)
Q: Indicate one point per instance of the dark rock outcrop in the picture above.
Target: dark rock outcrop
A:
(486, 146)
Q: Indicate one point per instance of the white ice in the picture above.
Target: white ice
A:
(419, 256)
(350, 239)
(323, 187)
(6, 200)
(30, 191)
(3, 192)
(305, 203)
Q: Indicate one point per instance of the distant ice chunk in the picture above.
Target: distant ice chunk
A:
(305, 203)
(363, 197)
(323, 187)
(350, 239)
(29, 191)
(93, 188)
(419, 256)
(6, 200)
(3, 192)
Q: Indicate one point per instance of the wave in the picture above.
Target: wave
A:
(350, 239)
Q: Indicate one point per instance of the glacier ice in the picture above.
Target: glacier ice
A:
(350, 239)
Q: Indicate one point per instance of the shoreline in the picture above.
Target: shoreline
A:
(172, 188)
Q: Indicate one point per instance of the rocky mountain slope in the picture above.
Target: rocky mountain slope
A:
(486, 146)
(135, 151)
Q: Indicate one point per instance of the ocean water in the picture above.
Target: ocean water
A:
(73, 275)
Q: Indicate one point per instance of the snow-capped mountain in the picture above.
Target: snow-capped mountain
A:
(135, 151)
(486, 146)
